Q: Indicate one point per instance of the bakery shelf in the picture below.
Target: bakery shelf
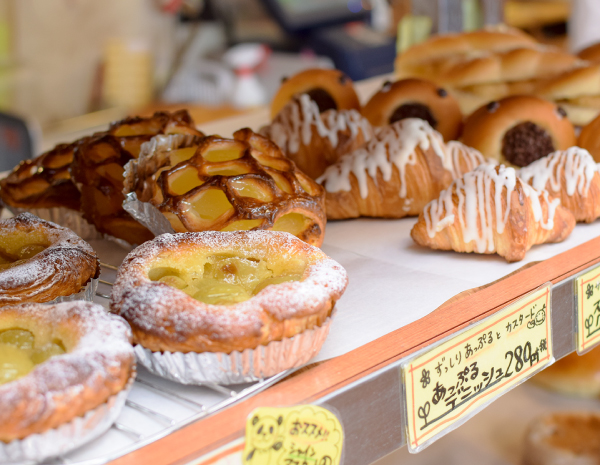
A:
(363, 385)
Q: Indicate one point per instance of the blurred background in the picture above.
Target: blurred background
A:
(84, 62)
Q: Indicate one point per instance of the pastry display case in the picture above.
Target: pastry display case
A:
(401, 300)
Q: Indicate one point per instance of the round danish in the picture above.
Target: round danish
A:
(316, 140)
(224, 292)
(518, 130)
(331, 89)
(564, 438)
(415, 98)
(227, 185)
(589, 138)
(58, 362)
(41, 261)
(43, 182)
(97, 170)
(574, 375)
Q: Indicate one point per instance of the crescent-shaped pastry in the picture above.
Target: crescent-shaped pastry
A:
(518, 130)
(330, 89)
(490, 210)
(396, 173)
(572, 176)
(221, 184)
(315, 140)
(224, 292)
(40, 261)
(415, 98)
(58, 362)
(97, 170)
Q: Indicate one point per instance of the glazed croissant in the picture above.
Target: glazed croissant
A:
(396, 173)
(316, 140)
(491, 210)
(571, 175)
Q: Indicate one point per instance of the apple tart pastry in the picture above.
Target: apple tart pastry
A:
(41, 261)
(222, 184)
(97, 169)
(215, 292)
(58, 362)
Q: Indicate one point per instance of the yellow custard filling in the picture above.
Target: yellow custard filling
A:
(19, 353)
(225, 279)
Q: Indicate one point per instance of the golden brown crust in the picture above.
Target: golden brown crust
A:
(589, 138)
(277, 188)
(578, 82)
(532, 217)
(591, 53)
(98, 364)
(335, 83)
(486, 128)
(315, 140)
(62, 269)
(574, 375)
(43, 182)
(164, 318)
(443, 107)
(97, 169)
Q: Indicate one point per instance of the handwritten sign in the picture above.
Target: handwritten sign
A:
(301, 435)
(447, 384)
(588, 310)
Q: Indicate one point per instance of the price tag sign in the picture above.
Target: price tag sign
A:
(588, 310)
(305, 434)
(449, 383)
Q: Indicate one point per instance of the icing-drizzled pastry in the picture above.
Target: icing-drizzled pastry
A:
(563, 438)
(571, 175)
(97, 169)
(491, 210)
(396, 173)
(316, 140)
(40, 261)
(415, 98)
(43, 182)
(224, 292)
(330, 89)
(518, 130)
(221, 184)
(58, 362)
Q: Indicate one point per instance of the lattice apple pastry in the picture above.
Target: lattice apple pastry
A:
(220, 184)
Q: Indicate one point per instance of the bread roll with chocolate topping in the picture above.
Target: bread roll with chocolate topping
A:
(589, 138)
(518, 130)
(591, 53)
(331, 89)
(415, 98)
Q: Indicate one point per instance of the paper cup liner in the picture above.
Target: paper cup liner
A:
(87, 293)
(62, 216)
(236, 367)
(66, 437)
(147, 214)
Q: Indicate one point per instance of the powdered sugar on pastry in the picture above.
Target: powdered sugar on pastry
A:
(479, 208)
(393, 146)
(295, 122)
(575, 164)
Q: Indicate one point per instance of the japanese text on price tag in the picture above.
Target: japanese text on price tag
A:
(448, 383)
(301, 435)
(588, 310)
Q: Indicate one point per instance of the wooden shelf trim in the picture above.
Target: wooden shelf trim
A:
(228, 425)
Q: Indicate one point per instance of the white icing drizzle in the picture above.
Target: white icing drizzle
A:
(294, 124)
(459, 151)
(475, 208)
(394, 145)
(576, 163)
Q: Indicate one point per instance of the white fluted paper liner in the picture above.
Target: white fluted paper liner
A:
(62, 216)
(147, 214)
(236, 367)
(67, 437)
(87, 293)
